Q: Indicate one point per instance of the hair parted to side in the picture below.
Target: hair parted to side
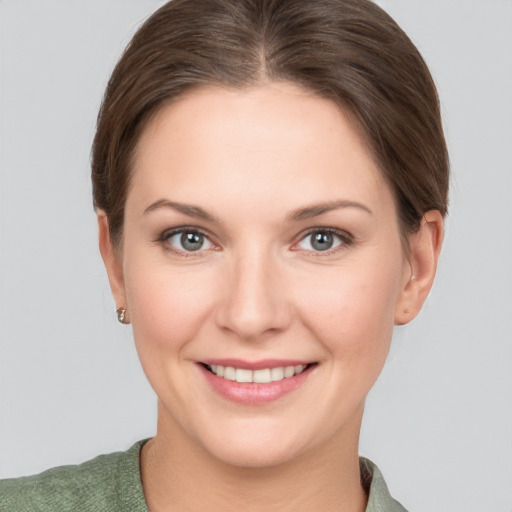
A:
(349, 51)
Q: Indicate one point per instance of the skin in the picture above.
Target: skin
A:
(257, 289)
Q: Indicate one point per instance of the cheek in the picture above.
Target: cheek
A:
(351, 310)
(167, 306)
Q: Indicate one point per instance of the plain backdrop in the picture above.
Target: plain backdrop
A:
(439, 420)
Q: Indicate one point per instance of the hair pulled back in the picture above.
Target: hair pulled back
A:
(349, 51)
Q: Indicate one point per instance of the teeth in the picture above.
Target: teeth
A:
(242, 375)
(229, 373)
(277, 374)
(263, 376)
(289, 371)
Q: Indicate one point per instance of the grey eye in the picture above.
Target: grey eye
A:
(322, 241)
(190, 241)
(319, 241)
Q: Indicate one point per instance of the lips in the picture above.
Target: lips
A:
(255, 383)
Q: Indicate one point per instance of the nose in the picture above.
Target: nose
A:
(254, 299)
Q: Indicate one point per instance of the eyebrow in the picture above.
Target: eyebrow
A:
(186, 209)
(319, 209)
(297, 215)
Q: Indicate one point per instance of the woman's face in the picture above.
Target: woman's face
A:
(261, 244)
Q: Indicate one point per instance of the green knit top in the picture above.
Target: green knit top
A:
(111, 483)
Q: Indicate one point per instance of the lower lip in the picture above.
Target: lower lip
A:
(252, 393)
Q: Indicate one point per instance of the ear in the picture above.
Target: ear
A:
(425, 246)
(112, 261)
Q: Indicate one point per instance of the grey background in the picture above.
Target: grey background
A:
(438, 422)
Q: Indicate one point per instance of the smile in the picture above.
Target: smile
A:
(260, 376)
(256, 382)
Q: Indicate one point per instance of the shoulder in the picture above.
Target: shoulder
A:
(379, 498)
(107, 483)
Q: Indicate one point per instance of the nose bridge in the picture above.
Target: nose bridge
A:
(254, 302)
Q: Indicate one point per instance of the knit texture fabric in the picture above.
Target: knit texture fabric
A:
(108, 483)
(111, 483)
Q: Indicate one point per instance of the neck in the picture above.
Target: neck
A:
(178, 474)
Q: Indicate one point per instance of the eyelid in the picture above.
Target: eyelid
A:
(165, 235)
(346, 238)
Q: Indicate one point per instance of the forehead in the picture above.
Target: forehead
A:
(263, 143)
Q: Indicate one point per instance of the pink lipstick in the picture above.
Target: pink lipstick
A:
(257, 382)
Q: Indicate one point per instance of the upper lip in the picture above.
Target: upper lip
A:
(256, 365)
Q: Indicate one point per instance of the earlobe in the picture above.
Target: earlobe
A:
(113, 263)
(425, 246)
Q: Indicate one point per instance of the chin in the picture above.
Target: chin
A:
(255, 455)
(259, 445)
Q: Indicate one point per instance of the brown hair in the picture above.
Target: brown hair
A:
(349, 51)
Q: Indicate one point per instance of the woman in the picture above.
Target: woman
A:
(270, 179)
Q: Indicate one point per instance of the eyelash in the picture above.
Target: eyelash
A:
(345, 238)
(164, 238)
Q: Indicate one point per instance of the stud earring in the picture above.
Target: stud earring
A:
(121, 315)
